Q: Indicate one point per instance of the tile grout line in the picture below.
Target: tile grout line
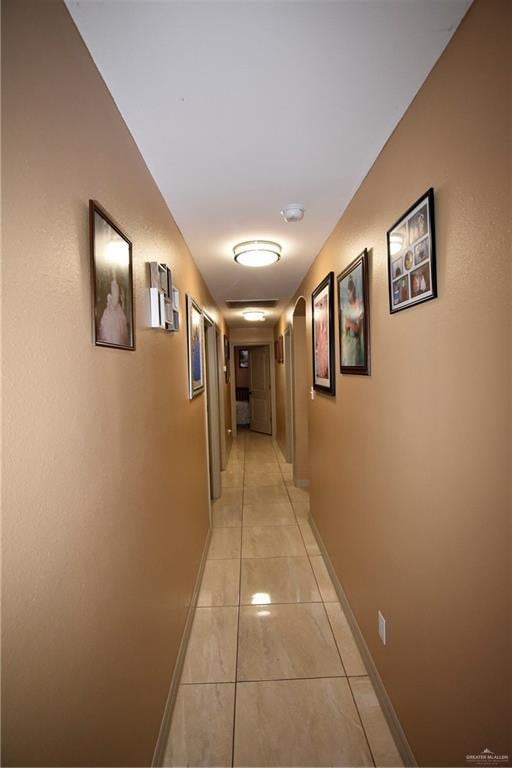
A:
(362, 722)
(280, 680)
(238, 613)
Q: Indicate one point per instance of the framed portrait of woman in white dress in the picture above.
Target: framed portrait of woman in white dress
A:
(354, 316)
(112, 281)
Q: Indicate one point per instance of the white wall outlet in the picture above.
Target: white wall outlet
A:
(312, 393)
(382, 627)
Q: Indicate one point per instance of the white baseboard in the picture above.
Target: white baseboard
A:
(163, 734)
(395, 726)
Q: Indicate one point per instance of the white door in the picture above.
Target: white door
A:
(260, 393)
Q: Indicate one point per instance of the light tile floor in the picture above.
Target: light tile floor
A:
(272, 675)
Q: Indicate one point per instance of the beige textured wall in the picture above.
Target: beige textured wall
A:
(105, 495)
(411, 467)
(251, 334)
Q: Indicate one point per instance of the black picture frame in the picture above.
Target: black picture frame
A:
(354, 332)
(411, 243)
(322, 335)
(243, 358)
(195, 348)
(112, 281)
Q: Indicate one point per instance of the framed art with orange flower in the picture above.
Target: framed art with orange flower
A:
(412, 276)
(322, 311)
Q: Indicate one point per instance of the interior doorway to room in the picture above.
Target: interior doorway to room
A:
(299, 430)
(253, 375)
(213, 410)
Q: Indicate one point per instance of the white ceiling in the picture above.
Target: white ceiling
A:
(242, 106)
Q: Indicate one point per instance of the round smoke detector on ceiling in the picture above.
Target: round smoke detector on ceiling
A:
(293, 212)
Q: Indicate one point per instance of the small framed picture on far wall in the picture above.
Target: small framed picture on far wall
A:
(412, 277)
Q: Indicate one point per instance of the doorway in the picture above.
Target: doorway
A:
(213, 414)
(299, 400)
(253, 400)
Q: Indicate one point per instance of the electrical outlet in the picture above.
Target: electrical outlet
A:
(382, 627)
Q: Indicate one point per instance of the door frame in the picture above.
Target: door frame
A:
(212, 406)
(289, 395)
(232, 363)
(222, 409)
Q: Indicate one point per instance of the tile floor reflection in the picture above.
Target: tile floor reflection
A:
(272, 675)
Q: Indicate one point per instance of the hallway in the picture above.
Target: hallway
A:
(272, 674)
(293, 218)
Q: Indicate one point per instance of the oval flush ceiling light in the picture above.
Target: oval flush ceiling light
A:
(257, 253)
(254, 315)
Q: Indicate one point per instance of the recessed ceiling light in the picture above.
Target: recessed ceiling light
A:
(257, 253)
(254, 315)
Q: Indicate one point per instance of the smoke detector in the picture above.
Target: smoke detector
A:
(293, 212)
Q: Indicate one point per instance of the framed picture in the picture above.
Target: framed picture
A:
(226, 359)
(243, 358)
(112, 281)
(322, 306)
(195, 333)
(412, 275)
(354, 316)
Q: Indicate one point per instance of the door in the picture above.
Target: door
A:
(260, 392)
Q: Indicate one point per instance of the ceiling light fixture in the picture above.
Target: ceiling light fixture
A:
(292, 213)
(254, 315)
(257, 253)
